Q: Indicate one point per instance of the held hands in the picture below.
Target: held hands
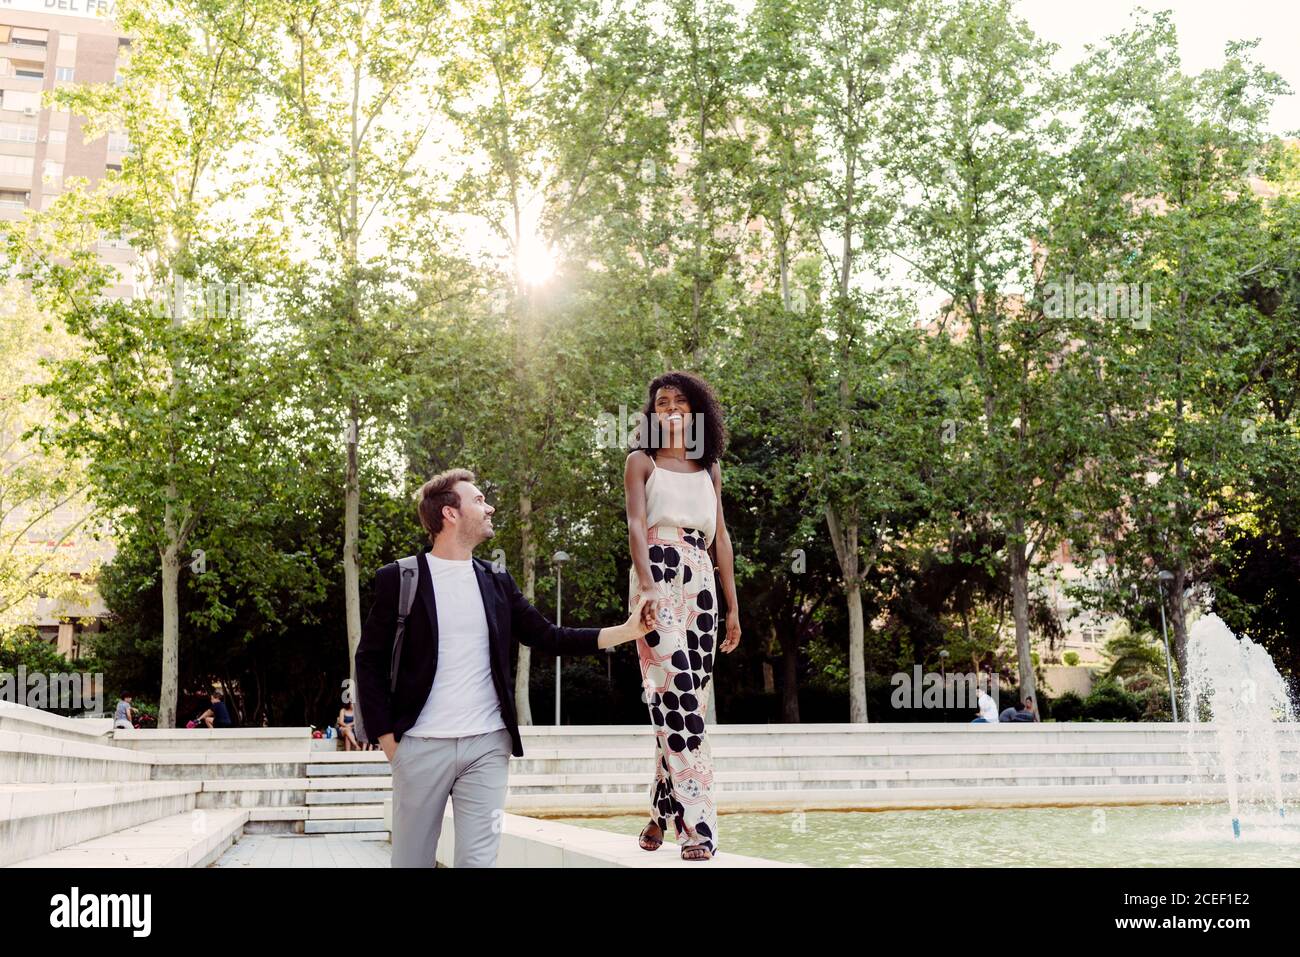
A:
(650, 610)
(636, 625)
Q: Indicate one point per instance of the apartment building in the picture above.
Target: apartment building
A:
(45, 45)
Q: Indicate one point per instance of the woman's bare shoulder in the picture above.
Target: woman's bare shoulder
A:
(639, 462)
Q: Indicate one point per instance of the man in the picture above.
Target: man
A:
(217, 715)
(450, 727)
(124, 716)
(1025, 712)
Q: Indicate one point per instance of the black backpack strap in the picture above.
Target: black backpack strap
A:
(409, 569)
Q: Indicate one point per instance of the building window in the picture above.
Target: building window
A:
(25, 36)
(13, 199)
(52, 174)
(118, 143)
(114, 240)
(17, 133)
(63, 73)
(21, 100)
(58, 137)
(15, 165)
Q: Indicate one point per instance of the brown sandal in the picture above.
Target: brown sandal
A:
(646, 841)
(696, 852)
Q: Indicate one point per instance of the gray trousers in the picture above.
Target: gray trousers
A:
(473, 771)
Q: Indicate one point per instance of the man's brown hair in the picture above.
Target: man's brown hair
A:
(437, 492)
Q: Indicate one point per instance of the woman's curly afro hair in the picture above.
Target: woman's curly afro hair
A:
(701, 398)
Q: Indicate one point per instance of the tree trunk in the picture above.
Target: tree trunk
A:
(1178, 618)
(351, 523)
(171, 573)
(527, 555)
(789, 676)
(857, 664)
(1020, 613)
(845, 540)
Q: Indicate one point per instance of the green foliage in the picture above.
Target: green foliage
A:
(1068, 707)
(1109, 701)
(1130, 654)
(736, 191)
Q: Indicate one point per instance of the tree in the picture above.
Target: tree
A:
(170, 399)
(1188, 400)
(854, 53)
(44, 507)
(355, 88)
(982, 169)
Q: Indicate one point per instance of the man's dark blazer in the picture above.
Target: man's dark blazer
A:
(509, 617)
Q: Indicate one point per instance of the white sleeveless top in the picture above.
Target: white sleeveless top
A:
(685, 499)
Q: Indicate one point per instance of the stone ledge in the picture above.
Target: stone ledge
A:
(189, 839)
(882, 799)
(27, 742)
(55, 724)
(19, 801)
(297, 741)
(531, 842)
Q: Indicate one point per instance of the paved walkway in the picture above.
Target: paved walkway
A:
(307, 850)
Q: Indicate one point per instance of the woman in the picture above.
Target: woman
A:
(346, 724)
(673, 484)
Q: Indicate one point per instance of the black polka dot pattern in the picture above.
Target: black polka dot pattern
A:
(676, 665)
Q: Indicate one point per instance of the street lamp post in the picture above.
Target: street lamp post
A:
(1161, 578)
(559, 558)
(943, 673)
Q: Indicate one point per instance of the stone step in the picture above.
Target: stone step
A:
(297, 741)
(300, 812)
(287, 797)
(27, 757)
(36, 819)
(321, 798)
(346, 812)
(344, 826)
(348, 768)
(625, 759)
(339, 784)
(178, 840)
(23, 720)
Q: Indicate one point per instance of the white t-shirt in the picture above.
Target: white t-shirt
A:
(463, 701)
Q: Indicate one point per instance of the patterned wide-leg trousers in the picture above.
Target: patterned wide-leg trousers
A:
(676, 666)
